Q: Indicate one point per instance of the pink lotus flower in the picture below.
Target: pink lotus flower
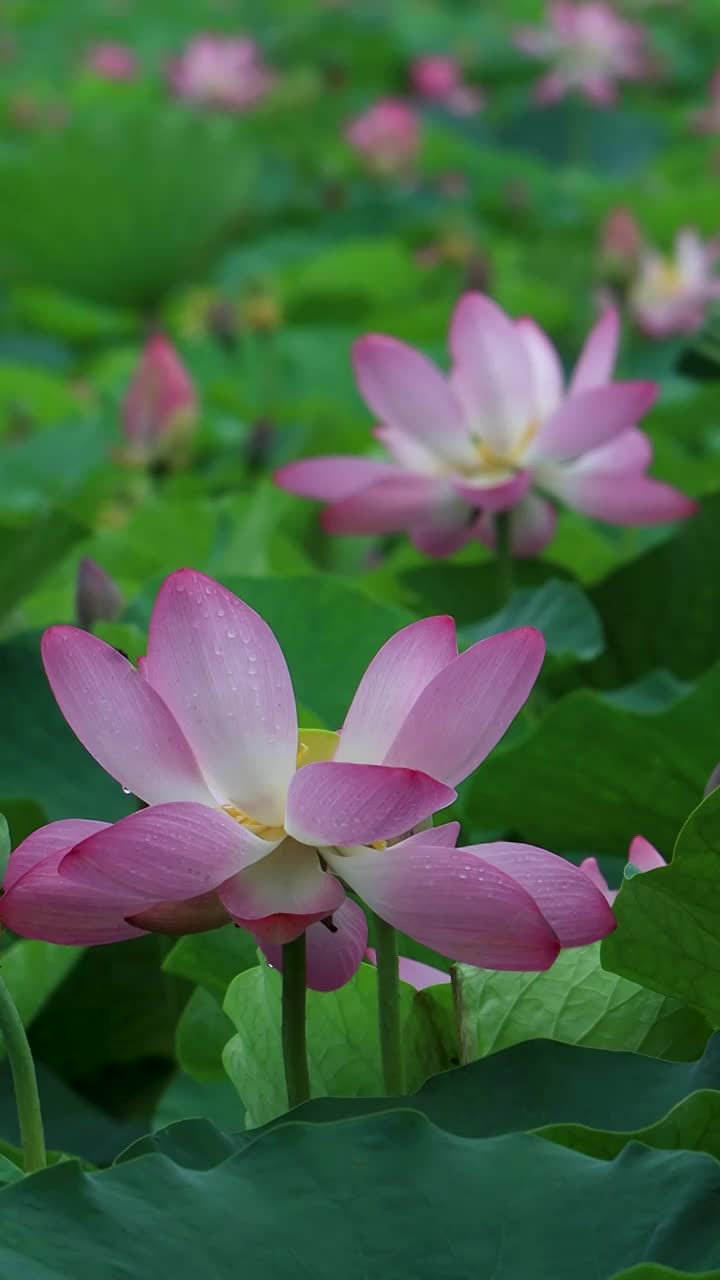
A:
(219, 71)
(439, 78)
(671, 294)
(97, 596)
(250, 821)
(387, 136)
(160, 405)
(590, 48)
(502, 431)
(621, 243)
(708, 120)
(642, 855)
(112, 61)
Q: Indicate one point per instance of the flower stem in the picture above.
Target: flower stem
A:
(389, 1007)
(504, 557)
(294, 994)
(27, 1099)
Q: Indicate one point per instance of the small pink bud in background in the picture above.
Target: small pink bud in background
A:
(621, 245)
(387, 136)
(112, 61)
(160, 406)
(218, 71)
(97, 596)
(712, 782)
(438, 78)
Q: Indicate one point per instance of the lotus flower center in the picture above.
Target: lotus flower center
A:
(314, 745)
(511, 459)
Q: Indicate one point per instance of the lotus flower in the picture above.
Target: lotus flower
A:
(112, 61)
(708, 120)
(97, 596)
(503, 431)
(621, 244)
(387, 136)
(589, 47)
(642, 855)
(218, 71)
(439, 78)
(160, 405)
(251, 821)
(671, 294)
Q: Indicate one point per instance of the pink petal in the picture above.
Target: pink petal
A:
(331, 803)
(445, 836)
(494, 496)
(644, 855)
(630, 451)
(333, 955)
(330, 479)
(290, 881)
(547, 371)
(119, 719)
(407, 451)
(391, 505)
(39, 903)
(464, 711)
(591, 418)
(444, 531)
(405, 390)
(492, 374)
(532, 526)
(221, 671)
(590, 867)
(618, 499)
(396, 677)
(453, 902)
(414, 972)
(597, 359)
(194, 915)
(574, 906)
(167, 853)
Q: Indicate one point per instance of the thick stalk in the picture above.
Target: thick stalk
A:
(503, 557)
(27, 1099)
(389, 1007)
(294, 995)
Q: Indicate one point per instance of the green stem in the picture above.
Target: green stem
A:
(27, 1099)
(503, 557)
(294, 993)
(389, 1007)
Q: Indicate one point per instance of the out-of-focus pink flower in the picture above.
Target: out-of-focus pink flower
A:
(621, 243)
(708, 119)
(220, 71)
(160, 405)
(112, 61)
(438, 78)
(387, 136)
(502, 432)
(414, 972)
(642, 855)
(98, 598)
(589, 47)
(250, 819)
(671, 294)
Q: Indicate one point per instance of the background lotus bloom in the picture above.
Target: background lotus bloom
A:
(708, 120)
(590, 48)
(220, 71)
(112, 61)
(621, 244)
(249, 821)
(439, 78)
(387, 136)
(160, 406)
(671, 295)
(97, 596)
(502, 431)
(642, 855)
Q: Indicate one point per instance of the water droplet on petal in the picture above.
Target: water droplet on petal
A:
(127, 791)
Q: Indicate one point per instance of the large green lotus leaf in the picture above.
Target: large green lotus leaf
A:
(577, 1002)
(692, 1125)
(668, 934)
(388, 1194)
(560, 610)
(202, 1032)
(31, 394)
(33, 970)
(49, 468)
(31, 551)
(590, 775)
(342, 1033)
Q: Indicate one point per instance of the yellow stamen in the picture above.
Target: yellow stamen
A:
(490, 460)
(261, 829)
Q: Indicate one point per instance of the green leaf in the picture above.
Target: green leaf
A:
(692, 1125)
(202, 1032)
(30, 552)
(668, 934)
(4, 844)
(33, 971)
(577, 1002)
(185, 1097)
(343, 1049)
(591, 775)
(564, 614)
(30, 393)
(214, 958)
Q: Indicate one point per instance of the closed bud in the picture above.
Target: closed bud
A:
(97, 596)
(160, 407)
(712, 782)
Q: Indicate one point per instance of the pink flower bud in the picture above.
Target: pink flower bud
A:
(112, 61)
(622, 239)
(97, 596)
(387, 136)
(160, 405)
(436, 76)
(218, 71)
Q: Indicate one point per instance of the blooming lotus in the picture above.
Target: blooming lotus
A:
(439, 78)
(503, 431)
(221, 71)
(160, 405)
(589, 47)
(642, 855)
(387, 136)
(671, 294)
(253, 821)
(112, 61)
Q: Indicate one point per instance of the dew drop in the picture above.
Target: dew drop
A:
(221, 613)
(127, 791)
(231, 635)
